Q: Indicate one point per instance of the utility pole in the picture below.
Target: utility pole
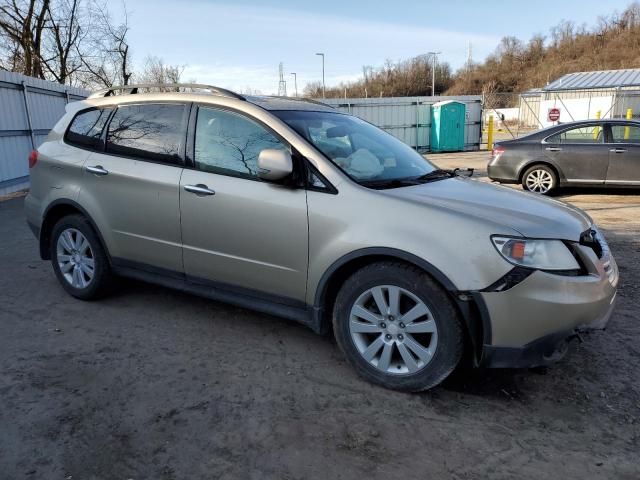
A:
(322, 55)
(282, 84)
(295, 82)
(434, 58)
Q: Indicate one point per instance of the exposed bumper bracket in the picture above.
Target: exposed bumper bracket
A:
(541, 352)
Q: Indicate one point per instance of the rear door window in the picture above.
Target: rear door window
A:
(153, 132)
(588, 134)
(86, 127)
(625, 133)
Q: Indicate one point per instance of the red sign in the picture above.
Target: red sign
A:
(554, 114)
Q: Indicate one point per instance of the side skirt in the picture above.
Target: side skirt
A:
(242, 297)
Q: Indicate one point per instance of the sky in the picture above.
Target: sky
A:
(239, 44)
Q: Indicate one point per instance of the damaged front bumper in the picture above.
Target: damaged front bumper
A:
(533, 322)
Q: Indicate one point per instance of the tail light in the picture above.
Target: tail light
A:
(497, 150)
(33, 158)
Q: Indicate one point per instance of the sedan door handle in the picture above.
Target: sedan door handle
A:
(618, 150)
(199, 189)
(553, 149)
(98, 170)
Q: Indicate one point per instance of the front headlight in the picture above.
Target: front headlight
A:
(538, 254)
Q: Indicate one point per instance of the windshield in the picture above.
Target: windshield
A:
(367, 154)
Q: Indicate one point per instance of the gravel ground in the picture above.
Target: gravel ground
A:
(154, 384)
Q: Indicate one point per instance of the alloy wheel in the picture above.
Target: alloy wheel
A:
(75, 258)
(539, 181)
(393, 330)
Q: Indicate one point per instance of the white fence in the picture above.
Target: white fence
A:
(29, 108)
(409, 118)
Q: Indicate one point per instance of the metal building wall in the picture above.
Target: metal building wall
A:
(29, 108)
(409, 118)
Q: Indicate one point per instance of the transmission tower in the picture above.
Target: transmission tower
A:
(282, 84)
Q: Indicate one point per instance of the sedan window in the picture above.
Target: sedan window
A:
(589, 134)
(625, 133)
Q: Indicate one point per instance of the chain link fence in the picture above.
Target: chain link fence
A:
(516, 114)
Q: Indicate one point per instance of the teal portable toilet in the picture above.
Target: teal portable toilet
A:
(447, 126)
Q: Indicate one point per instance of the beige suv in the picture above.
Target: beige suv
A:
(294, 209)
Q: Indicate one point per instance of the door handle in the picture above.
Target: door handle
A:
(199, 189)
(98, 170)
(618, 150)
(553, 149)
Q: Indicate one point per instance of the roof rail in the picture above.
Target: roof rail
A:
(167, 87)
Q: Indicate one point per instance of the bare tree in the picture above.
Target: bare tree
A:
(66, 34)
(68, 41)
(410, 77)
(156, 71)
(22, 26)
(107, 61)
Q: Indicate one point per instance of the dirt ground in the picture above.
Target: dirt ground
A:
(154, 384)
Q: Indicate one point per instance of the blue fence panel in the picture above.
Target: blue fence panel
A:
(409, 118)
(46, 104)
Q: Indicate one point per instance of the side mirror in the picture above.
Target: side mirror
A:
(274, 164)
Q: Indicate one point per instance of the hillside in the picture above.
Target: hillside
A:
(614, 43)
(515, 66)
(402, 79)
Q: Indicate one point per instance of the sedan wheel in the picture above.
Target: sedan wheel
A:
(393, 330)
(539, 179)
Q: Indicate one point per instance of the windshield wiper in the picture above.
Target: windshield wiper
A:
(440, 173)
(437, 174)
(393, 183)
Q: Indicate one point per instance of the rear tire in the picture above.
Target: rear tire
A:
(413, 345)
(79, 259)
(540, 179)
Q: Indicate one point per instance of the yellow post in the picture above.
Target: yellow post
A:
(596, 131)
(627, 129)
(490, 133)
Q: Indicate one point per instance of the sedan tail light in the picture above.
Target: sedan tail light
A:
(497, 150)
(33, 158)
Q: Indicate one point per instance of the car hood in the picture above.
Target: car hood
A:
(530, 214)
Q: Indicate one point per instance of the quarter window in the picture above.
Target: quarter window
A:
(590, 134)
(229, 144)
(625, 133)
(86, 128)
(149, 131)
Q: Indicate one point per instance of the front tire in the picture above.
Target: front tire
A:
(78, 258)
(397, 327)
(540, 179)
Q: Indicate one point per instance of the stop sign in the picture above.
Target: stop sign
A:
(554, 114)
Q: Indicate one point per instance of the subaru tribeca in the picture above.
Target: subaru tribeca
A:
(291, 208)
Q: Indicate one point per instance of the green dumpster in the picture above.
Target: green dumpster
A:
(447, 126)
